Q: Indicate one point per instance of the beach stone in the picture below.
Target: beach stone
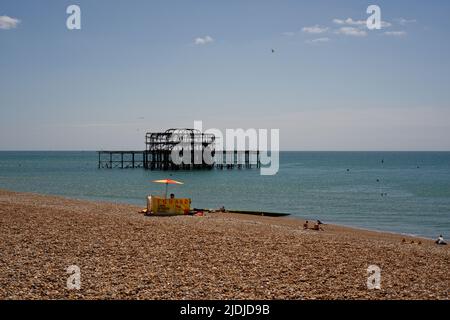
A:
(125, 255)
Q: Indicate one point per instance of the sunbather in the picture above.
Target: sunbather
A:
(440, 240)
(305, 225)
(317, 226)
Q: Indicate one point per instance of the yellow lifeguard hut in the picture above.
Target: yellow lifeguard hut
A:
(157, 205)
(163, 206)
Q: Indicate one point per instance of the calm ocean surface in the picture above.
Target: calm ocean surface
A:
(313, 185)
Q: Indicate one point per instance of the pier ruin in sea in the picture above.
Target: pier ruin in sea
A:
(160, 145)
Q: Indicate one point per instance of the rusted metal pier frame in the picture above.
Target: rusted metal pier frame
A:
(121, 159)
(137, 159)
(240, 159)
(160, 145)
(189, 142)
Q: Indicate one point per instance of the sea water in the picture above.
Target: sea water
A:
(404, 192)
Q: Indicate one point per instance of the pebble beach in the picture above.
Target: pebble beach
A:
(123, 254)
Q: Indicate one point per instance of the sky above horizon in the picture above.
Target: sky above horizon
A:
(138, 66)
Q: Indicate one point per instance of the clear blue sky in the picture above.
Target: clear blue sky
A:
(138, 66)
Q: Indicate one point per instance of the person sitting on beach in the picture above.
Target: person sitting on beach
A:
(305, 225)
(440, 240)
(222, 209)
(172, 196)
(317, 226)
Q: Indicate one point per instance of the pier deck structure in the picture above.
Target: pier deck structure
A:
(190, 142)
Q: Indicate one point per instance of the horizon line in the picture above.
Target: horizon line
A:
(129, 150)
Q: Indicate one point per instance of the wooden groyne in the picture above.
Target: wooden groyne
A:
(260, 213)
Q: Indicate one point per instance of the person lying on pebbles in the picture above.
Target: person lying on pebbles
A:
(412, 241)
(316, 226)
